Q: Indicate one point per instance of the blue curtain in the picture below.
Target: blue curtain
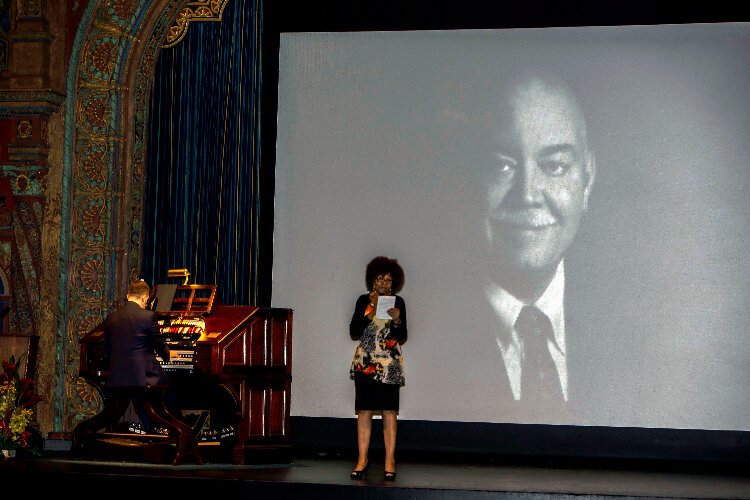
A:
(203, 162)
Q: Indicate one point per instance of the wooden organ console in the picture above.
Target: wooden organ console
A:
(233, 361)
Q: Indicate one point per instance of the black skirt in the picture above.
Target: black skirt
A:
(374, 396)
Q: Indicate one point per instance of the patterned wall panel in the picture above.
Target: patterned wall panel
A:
(106, 188)
(26, 256)
(20, 223)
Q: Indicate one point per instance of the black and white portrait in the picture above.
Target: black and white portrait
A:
(583, 193)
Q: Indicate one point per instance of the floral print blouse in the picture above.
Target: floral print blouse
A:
(378, 353)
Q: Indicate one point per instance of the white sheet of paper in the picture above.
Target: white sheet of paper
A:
(385, 302)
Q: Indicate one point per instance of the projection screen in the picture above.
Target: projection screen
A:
(381, 150)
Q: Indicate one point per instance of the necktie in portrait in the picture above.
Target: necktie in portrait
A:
(539, 379)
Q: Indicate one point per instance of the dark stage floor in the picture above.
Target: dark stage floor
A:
(321, 477)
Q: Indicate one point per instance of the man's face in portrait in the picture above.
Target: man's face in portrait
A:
(540, 177)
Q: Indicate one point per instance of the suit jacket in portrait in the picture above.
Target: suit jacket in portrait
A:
(595, 365)
(131, 339)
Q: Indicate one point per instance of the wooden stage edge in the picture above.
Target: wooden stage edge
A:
(327, 476)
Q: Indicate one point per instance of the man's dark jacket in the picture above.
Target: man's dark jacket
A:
(131, 339)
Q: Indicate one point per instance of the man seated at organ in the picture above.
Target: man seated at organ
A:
(132, 342)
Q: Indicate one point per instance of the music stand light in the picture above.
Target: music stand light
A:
(179, 273)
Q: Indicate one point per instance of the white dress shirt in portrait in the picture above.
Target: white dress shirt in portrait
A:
(507, 308)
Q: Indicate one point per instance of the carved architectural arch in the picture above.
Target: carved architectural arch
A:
(109, 81)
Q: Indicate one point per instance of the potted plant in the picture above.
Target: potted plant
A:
(17, 400)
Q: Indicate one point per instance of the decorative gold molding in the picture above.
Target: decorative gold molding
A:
(28, 9)
(24, 129)
(29, 102)
(198, 10)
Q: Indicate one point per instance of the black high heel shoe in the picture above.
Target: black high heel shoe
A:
(389, 476)
(360, 474)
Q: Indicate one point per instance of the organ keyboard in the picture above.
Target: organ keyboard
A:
(181, 335)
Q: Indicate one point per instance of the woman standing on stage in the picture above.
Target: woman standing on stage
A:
(378, 368)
